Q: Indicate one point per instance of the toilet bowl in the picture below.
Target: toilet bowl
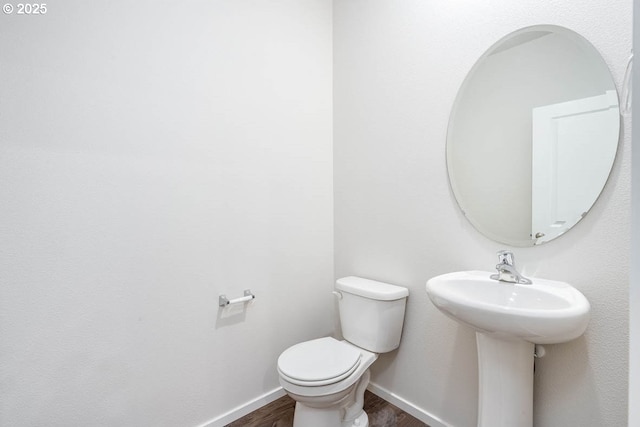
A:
(327, 377)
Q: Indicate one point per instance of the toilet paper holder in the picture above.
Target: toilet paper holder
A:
(223, 301)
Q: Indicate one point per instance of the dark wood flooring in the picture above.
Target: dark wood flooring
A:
(280, 414)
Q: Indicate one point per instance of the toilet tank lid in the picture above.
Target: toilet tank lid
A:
(371, 288)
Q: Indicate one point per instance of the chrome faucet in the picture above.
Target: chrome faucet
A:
(507, 270)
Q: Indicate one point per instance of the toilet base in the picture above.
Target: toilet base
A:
(361, 421)
(342, 409)
(315, 417)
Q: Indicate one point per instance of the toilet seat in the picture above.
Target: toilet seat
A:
(318, 362)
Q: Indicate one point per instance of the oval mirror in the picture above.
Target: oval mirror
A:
(532, 135)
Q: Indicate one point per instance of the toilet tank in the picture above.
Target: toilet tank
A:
(371, 313)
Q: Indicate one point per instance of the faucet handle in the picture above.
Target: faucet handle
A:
(505, 257)
(507, 270)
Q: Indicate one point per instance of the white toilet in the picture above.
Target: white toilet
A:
(326, 377)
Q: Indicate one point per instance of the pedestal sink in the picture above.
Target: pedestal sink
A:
(509, 319)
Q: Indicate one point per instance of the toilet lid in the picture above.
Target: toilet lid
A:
(323, 360)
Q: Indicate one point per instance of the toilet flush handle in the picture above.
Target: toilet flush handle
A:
(337, 294)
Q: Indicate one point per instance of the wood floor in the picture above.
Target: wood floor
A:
(280, 414)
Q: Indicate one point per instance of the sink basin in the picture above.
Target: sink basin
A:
(509, 320)
(544, 312)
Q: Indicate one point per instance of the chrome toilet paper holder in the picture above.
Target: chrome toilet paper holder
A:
(223, 301)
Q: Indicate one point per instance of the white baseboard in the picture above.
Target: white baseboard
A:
(245, 409)
(408, 407)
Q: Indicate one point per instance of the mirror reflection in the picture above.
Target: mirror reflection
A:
(533, 135)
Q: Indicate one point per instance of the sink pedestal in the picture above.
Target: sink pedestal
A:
(509, 319)
(505, 366)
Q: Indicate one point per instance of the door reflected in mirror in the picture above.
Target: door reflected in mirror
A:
(532, 136)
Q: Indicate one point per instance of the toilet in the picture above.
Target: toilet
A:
(327, 377)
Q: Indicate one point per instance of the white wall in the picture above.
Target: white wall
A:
(634, 286)
(152, 156)
(397, 68)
